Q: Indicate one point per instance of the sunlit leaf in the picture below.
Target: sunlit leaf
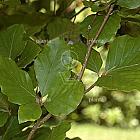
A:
(122, 71)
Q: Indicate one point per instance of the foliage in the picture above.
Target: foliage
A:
(40, 46)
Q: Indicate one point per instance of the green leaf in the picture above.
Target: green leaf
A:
(29, 53)
(49, 64)
(43, 134)
(131, 4)
(29, 112)
(4, 109)
(57, 133)
(13, 129)
(11, 41)
(122, 71)
(60, 27)
(32, 75)
(3, 118)
(4, 106)
(32, 19)
(51, 67)
(79, 51)
(17, 85)
(31, 30)
(64, 96)
(133, 28)
(108, 32)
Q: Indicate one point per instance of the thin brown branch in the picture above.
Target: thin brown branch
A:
(74, 16)
(89, 88)
(93, 42)
(37, 125)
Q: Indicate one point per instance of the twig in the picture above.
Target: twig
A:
(89, 88)
(37, 125)
(93, 42)
(79, 12)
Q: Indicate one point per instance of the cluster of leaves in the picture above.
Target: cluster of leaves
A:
(39, 41)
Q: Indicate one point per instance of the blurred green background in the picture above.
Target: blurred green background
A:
(107, 115)
(93, 132)
(109, 108)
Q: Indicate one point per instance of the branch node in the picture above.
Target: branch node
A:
(37, 125)
(93, 42)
